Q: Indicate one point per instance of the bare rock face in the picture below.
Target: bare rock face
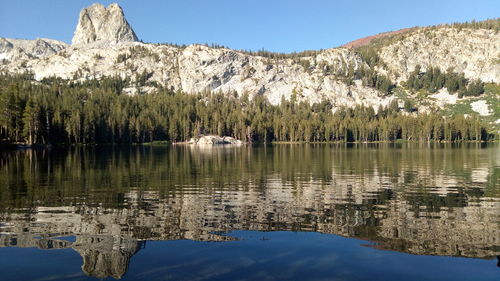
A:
(15, 49)
(98, 23)
(5, 45)
(473, 52)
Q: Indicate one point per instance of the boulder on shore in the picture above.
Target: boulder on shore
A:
(214, 140)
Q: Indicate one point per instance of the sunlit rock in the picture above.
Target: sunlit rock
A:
(100, 24)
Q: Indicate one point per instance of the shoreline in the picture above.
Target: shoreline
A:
(21, 146)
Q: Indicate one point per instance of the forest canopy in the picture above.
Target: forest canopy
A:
(97, 111)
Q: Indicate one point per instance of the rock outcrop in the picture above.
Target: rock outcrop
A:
(98, 23)
(12, 50)
(214, 140)
(474, 52)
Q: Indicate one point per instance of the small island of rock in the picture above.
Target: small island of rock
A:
(214, 140)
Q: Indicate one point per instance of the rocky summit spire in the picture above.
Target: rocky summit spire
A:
(98, 23)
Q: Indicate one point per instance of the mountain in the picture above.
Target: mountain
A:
(98, 23)
(29, 49)
(372, 72)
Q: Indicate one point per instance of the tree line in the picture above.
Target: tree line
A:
(492, 24)
(96, 111)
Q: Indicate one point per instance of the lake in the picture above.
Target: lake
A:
(281, 212)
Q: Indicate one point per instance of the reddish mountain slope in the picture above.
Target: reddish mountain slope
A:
(365, 40)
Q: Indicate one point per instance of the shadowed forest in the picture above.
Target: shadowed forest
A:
(96, 111)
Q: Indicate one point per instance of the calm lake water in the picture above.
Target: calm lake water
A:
(284, 212)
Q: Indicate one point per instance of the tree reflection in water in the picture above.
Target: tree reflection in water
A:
(437, 200)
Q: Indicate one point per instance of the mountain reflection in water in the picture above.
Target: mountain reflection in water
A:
(106, 202)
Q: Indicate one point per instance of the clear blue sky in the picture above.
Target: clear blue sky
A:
(276, 25)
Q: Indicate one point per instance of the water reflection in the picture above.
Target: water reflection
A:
(106, 202)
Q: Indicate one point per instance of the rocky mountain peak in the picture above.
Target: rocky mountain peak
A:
(106, 24)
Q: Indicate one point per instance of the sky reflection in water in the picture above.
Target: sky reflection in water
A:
(261, 213)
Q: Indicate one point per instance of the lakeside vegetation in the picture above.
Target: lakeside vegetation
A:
(96, 111)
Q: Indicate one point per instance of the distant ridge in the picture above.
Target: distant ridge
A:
(366, 40)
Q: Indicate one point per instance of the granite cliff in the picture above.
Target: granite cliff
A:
(98, 23)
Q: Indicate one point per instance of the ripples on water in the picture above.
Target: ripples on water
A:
(109, 203)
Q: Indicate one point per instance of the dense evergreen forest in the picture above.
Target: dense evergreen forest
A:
(96, 111)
